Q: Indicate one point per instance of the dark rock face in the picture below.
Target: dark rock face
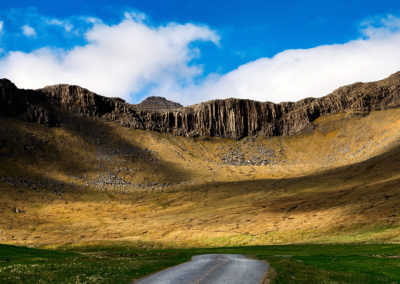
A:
(231, 118)
(27, 105)
(158, 103)
(81, 101)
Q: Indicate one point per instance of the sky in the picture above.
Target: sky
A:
(192, 51)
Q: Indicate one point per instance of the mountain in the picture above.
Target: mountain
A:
(229, 118)
(76, 167)
(158, 103)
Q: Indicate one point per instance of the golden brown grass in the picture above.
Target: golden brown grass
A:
(339, 183)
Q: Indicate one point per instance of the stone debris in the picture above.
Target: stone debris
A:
(260, 157)
(112, 182)
(107, 154)
(110, 179)
(38, 184)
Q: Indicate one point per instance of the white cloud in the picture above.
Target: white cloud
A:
(135, 16)
(299, 73)
(118, 60)
(28, 31)
(296, 74)
(64, 24)
(1, 26)
(380, 26)
(133, 57)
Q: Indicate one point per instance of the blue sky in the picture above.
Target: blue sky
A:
(195, 50)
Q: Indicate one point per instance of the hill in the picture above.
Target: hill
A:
(80, 168)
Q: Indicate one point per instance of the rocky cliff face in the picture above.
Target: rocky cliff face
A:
(27, 105)
(231, 118)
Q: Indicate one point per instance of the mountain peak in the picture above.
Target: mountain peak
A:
(156, 103)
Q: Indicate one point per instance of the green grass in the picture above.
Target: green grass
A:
(24, 265)
(123, 263)
(334, 263)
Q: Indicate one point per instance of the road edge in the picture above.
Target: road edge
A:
(137, 280)
(269, 275)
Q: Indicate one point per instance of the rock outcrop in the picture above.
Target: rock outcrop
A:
(158, 103)
(231, 118)
(27, 105)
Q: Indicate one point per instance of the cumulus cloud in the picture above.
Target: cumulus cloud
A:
(28, 31)
(299, 73)
(118, 60)
(133, 59)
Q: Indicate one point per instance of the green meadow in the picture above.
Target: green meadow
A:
(123, 263)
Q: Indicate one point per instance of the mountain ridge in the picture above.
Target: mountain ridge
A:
(228, 118)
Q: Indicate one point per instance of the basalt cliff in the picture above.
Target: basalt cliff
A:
(230, 118)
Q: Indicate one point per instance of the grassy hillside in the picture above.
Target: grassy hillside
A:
(95, 182)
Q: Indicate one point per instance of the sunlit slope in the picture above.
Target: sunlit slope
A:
(90, 181)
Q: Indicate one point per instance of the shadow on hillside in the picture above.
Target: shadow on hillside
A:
(99, 146)
(375, 182)
(113, 145)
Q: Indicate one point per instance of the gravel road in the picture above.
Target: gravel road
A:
(210, 269)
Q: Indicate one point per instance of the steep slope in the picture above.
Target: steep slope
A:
(230, 118)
